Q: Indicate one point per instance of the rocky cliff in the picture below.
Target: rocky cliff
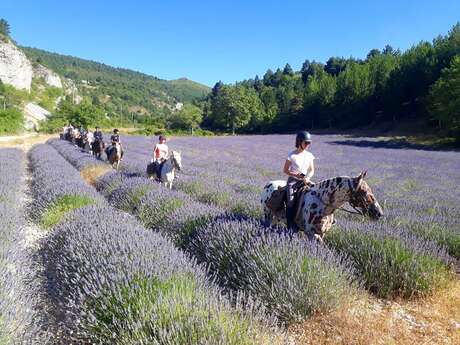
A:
(50, 78)
(15, 68)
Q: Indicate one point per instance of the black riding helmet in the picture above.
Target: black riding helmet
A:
(301, 137)
(115, 130)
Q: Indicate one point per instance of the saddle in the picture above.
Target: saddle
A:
(155, 168)
(277, 201)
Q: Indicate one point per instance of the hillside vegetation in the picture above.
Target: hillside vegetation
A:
(387, 86)
(118, 86)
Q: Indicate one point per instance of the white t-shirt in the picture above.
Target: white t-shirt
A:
(160, 151)
(300, 162)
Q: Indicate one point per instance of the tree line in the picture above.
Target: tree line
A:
(422, 83)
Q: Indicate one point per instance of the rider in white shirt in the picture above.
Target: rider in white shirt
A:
(300, 168)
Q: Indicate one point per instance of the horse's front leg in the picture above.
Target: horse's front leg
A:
(268, 216)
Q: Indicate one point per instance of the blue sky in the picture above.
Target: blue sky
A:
(223, 40)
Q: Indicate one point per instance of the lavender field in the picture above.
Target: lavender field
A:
(127, 261)
(408, 253)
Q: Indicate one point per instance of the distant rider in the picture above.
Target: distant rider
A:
(160, 154)
(114, 139)
(90, 137)
(98, 134)
(300, 169)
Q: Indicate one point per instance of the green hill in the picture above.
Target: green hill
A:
(119, 88)
(188, 89)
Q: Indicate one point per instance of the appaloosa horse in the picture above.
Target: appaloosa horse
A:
(115, 156)
(323, 199)
(168, 170)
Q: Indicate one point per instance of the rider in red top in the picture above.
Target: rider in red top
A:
(160, 153)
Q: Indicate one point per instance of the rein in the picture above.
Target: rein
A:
(357, 211)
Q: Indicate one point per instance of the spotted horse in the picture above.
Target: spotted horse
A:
(316, 213)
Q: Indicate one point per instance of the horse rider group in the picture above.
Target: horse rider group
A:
(298, 166)
(79, 134)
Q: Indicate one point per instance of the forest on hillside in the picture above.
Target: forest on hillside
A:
(116, 88)
(420, 84)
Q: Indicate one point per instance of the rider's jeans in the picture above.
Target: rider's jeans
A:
(290, 202)
(291, 182)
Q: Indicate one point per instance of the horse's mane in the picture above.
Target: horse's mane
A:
(324, 182)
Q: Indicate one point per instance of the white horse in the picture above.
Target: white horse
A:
(168, 171)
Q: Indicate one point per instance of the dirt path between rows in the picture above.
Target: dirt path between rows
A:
(433, 320)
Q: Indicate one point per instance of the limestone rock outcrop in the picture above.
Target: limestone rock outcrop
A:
(15, 68)
(50, 77)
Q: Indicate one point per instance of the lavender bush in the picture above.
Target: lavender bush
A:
(128, 194)
(111, 281)
(57, 186)
(75, 156)
(107, 183)
(10, 183)
(392, 263)
(16, 298)
(174, 214)
(291, 277)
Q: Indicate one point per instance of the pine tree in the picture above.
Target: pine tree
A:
(288, 70)
(4, 28)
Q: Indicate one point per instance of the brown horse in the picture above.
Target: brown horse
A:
(98, 148)
(115, 156)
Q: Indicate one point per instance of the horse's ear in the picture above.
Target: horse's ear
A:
(360, 178)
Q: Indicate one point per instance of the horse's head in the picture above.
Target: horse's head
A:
(118, 149)
(176, 160)
(362, 198)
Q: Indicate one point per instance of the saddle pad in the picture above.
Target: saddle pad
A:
(151, 168)
(276, 201)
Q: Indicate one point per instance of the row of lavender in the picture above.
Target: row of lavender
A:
(237, 251)
(15, 298)
(106, 279)
(417, 188)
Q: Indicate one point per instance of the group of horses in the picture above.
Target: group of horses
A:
(96, 147)
(316, 206)
(87, 143)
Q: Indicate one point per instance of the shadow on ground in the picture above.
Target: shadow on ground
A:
(392, 144)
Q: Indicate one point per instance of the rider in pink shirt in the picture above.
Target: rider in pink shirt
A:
(160, 154)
